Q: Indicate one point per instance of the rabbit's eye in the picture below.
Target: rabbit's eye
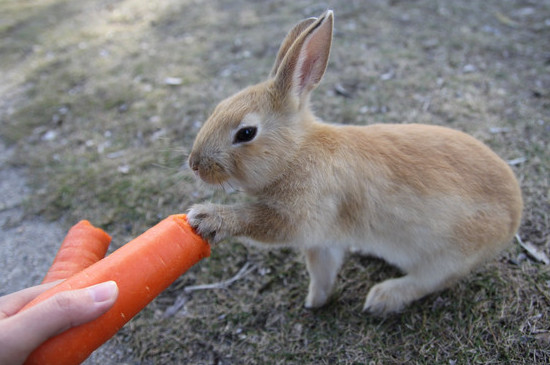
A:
(245, 134)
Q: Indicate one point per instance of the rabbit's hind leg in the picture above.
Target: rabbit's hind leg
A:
(323, 264)
(393, 295)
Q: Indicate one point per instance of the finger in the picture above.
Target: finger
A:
(28, 329)
(72, 308)
(12, 303)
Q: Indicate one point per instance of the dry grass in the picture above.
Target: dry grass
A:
(84, 98)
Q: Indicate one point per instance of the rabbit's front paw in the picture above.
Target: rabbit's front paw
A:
(207, 221)
(316, 298)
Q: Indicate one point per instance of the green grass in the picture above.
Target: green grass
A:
(102, 136)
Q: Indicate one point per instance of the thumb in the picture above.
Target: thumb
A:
(29, 328)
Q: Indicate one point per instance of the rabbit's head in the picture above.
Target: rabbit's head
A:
(251, 137)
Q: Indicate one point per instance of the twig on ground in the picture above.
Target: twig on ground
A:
(175, 308)
(517, 161)
(533, 251)
(246, 269)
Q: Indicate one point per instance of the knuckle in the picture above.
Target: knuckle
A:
(63, 302)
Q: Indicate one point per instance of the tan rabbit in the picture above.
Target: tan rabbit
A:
(432, 201)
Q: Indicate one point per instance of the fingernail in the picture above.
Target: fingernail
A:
(104, 291)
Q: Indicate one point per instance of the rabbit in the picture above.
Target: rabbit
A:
(430, 200)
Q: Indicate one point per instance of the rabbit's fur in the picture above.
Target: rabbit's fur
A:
(430, 200)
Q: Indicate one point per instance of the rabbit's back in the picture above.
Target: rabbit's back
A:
(419, 185)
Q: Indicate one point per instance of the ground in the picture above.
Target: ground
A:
(100, 101)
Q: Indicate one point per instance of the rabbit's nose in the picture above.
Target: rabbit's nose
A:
(194, 163)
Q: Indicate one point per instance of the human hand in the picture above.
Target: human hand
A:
(21, 333)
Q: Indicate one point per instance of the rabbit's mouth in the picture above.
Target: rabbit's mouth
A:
(212, 174)
(208, 169)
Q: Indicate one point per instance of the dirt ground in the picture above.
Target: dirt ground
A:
(100, 101)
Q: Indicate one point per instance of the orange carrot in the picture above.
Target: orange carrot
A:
(142, 269)
(83, 246)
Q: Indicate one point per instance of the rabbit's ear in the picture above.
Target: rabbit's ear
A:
(288, 41)
(305, 62)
